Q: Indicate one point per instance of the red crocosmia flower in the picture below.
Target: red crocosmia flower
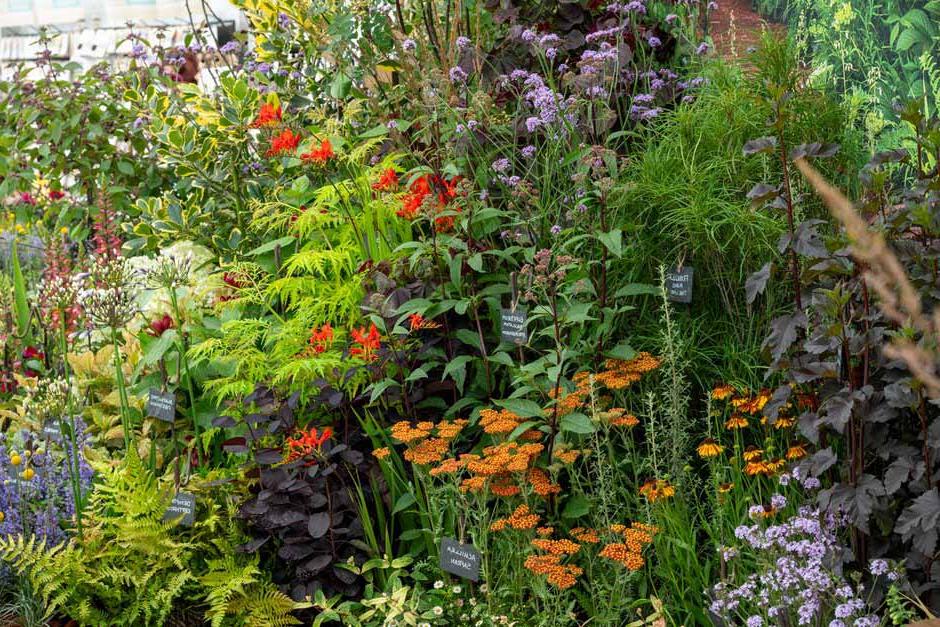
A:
(232, 280)
(269, 115)
(284, 143)
(161, 325)
(56, 194)
(388, 180)
(422, 187)
(319, 156)
(320, 339)
(307, 443)
(417, 322)
(367, 343)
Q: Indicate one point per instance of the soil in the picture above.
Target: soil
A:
(735, 27)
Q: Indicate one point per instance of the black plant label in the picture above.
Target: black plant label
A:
(183, 508)
(512, 325)
(460, 559)
(162, 405)
(679, 284)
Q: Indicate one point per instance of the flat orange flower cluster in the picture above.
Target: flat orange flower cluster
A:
(621, 374)
(521, 518)
(427, 442)
(636, 537)
(562, 576)
(499, 422)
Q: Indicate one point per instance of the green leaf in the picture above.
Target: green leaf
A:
(269, 246)
(613, 240)
(158, 347)
(635, 289)
(621, 351)
(20, 302)
(404, 501)
(577, 423)
(523, 408)
(576, 507)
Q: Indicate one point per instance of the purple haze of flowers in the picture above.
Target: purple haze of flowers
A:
(409, 45)
(283, 20)
(230, 47)
(457, 75)
(702, 48)
(528, 151)
(798, 574)
(654, 42)
(463, 42)
(43, 505)
(556, 229)
(500, 165)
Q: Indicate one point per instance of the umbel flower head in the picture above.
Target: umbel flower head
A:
(171, 270)
(110, 304)
(47, 399)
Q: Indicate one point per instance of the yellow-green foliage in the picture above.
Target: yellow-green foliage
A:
(131, 568)
(267, 323)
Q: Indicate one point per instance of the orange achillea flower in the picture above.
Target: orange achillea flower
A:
(642, 526)
(556, 547)
(319, 156)
(268, 115)
(629, 421)
(562, 576)
(450, 429)
(447, 467)
(709, 448)
(404, 432)
(585, 536)
(545, 531)
(498, 525)
(473, 484)
(321, 338)
(541, 484)
(657, 489)
(417, 322)
(566, 456)
(736, 421)
(721, 392)
(285, 142)
(499, 422)
(752, 453)
(621, 374)
(429, 451)
(531, 435)
(386, 182)
(504, 487)
(381, 453)
(619, 552)
(522, 518)
(796, 451)
(368, 343)
(304, 443)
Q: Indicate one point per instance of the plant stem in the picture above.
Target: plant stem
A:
(122, 391)
(72, 455)
(184, 361)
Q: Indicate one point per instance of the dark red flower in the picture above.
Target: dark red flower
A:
(161, 325)
(56, 194)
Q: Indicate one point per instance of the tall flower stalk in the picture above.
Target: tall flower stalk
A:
(171, 272)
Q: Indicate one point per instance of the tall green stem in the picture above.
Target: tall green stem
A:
(182, 348)
(122, 391)
(72, 453)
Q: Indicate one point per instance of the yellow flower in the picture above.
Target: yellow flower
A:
(736, 421)
(656, 489)
(64, 230)
(709, 448)
(15, 459)
(797, 451)
(2, 517)
(724, 488)
(28, 474)
(722, 392)
(752, 453)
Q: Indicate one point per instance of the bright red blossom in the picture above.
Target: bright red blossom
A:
(388, 180)
(284, 143)
(161, 325)
(319, 156)
(320, 339)
(269, 115)
(443, 191)
(368, 343)
(305, 443)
